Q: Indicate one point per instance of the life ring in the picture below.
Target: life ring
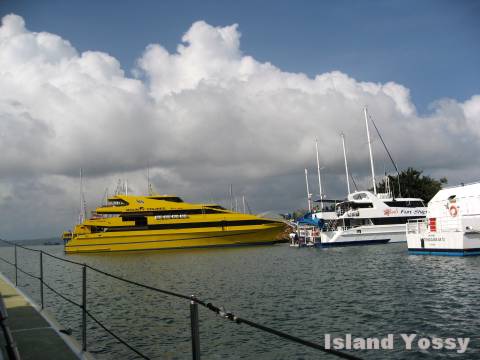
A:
(453, 211)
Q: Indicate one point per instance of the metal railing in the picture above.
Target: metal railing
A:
(194, 303)
(442, 224)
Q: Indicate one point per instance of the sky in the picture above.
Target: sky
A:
(207, 94)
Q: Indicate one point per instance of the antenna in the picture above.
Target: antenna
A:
(319, 177)
(370, 150)
(346, 164)
(309, 196)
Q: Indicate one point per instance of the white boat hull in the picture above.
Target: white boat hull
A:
(458, 243)
(364, 235)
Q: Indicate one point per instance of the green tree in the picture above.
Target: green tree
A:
(413, 184)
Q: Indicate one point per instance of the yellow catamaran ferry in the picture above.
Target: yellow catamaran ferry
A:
(158, 222)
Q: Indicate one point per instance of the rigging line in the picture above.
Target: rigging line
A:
(388, 153)
(238, 320)
(140, 284)
(8, 262)
(20, 246)
(354, 183)
(296, 339)
(119, 339)
(62, 259)
(27, 273)
(62, 296)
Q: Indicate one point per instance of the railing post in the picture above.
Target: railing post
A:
(41, 279)
(84, 308)
(16, 267)
(195, 329)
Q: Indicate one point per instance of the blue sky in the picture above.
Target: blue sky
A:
(432, 47)
(233, 105)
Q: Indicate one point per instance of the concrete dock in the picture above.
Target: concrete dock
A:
(35, 333)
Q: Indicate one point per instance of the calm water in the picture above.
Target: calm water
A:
(366, 291)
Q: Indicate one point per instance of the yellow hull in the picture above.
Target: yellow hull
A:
(174, 239)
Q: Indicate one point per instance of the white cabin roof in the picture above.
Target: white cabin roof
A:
(367, 196)
(460, 191)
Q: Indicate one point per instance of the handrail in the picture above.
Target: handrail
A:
(192, 299)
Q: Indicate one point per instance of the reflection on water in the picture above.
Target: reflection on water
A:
(365, 291)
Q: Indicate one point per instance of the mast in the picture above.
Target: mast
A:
(83, 207)
(319, 177)
(345, 159)
(309, 196)
(148, 180)
(370, 150)
(243, 202)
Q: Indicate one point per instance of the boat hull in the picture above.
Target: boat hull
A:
(364, 235)
(171, 239)
(447, 243)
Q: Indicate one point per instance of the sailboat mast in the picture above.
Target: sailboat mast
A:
(83, 208)
(370, 150)
(346, 164)
(319, 177)
(308, 192)
(148, 180)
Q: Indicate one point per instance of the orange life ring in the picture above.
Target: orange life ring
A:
(453, 211)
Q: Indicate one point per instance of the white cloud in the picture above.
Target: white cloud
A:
(202, 117)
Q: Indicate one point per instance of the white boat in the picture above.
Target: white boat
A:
(452, 226)
(365, 218)
(370, 217)
(308, 226)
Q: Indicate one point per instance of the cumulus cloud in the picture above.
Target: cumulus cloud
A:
(202, 117)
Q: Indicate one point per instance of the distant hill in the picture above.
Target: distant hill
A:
(42, 241)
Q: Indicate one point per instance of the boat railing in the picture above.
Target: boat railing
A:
(88, 312)
(416, 226)
(438, 224)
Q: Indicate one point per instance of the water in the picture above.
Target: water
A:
(367, 291)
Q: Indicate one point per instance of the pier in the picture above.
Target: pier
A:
(33, 333)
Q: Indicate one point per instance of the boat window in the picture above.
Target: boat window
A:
(187, 225)
(393, 220)
(171, 212)
(360, 196)
(451, 197)
(362, 205)
(347, 206)
(407, 204)
(117, 202)
(168, 198)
